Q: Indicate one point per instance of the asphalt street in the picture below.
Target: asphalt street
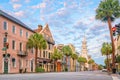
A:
(86, 75)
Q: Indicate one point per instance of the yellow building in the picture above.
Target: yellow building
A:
(72, 64)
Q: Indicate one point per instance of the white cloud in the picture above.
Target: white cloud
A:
(38, 6)
(14, 1)
(16, 6)
(27, 1)
(20, 14)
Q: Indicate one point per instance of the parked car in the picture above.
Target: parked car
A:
(104, 70)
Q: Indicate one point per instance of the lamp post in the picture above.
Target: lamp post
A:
(6, 44)
(6, 55)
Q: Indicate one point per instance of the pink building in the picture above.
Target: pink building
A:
(16, 58)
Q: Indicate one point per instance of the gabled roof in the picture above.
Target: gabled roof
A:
(14, 20)
(50, 34)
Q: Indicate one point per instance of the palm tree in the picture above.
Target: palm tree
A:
(106, 50)
(38, 42)
(118, 61)
(106, 61)
(82, 61)
(67, 51)
(56, 56)
(74, 56)
(108, 11)
(90, 62)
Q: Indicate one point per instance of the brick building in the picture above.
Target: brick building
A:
(16, 58)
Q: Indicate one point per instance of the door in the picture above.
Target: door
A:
(31, 65)
(58, 67)
(6, 66)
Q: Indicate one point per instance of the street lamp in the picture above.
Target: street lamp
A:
(6, 44)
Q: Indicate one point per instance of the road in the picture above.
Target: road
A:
(87, 75)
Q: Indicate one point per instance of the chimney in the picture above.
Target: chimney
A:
(39, 28)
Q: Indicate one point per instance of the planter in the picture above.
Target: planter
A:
(20, 70)
(114, 70)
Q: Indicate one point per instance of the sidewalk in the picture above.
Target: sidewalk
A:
(115, 76)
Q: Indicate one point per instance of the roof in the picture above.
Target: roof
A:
(50, 40)
(2, 13)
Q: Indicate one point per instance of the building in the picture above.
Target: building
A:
(14, 35)
(60, 63)
(95, 66)
(84, 52)
(72, 64)
(44, 55)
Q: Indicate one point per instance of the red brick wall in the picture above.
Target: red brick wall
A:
(17, 39)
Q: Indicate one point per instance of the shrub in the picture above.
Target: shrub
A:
(39, 69)
(66, 69)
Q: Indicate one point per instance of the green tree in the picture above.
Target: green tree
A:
(106, 50)
(108, 11)
(37, 42)
(90, 62)
(100, 67)
(67, 51)
(56, 56)
(118, 61)
(106, 61)
(74, 56)
(82, 61)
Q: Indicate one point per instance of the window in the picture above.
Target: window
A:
(20, 46)
(13, 62)
(40, 53)
(13, 29)
(32, 50)
(26, 63)
(26, 34)
(5, 39)
(49, 56)
(13, 44)
(49, 46)
(43, 54)
(5, 25)
(21, 32)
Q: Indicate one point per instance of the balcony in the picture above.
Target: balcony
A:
(22, 53)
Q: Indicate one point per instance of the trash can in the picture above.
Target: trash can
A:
(114, 70)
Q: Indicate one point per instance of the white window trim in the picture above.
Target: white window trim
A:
(21, 46)
(15, 64)
(6, 25)
(27, 35)
(15, 29)
(20, 32)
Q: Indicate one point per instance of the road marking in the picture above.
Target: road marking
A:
(115, 78)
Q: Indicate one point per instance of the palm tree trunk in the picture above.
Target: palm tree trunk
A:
(80, 66)
(36, 53)
(73, 66)
(66, 61)
(113, 47)
(107, 63)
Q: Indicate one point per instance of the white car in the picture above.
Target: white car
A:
(104, 70)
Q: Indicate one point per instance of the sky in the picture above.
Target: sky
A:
(69, 21)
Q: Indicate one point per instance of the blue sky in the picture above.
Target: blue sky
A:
(68, 21)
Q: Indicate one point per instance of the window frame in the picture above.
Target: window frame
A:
(13, 29)
(13, 45)
(4, 25)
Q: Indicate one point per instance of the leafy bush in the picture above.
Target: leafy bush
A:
(66, 69)
(39, 69)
